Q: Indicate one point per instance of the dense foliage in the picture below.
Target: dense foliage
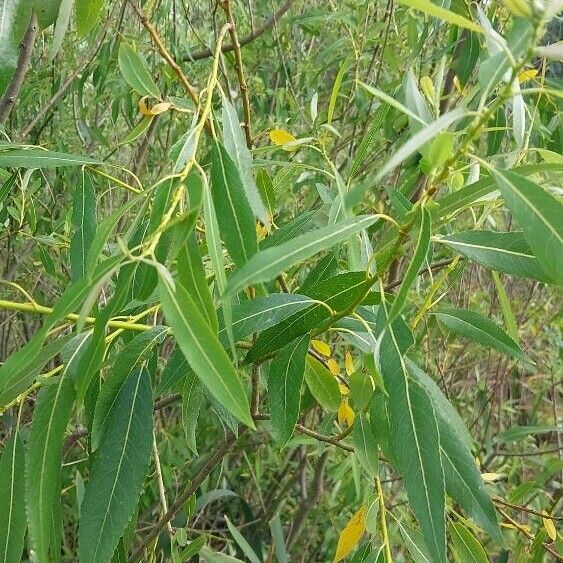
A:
(279, 280)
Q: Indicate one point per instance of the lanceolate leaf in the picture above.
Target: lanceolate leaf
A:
(203, 351)
(134, 355)
(481, 330)
(267, 264)
(540, 215)
(284, 387)
(466, 546)
(365, 445)
(135, 73)
(192, 398)
(84, 223)
(235, 145)
(417, 453)
(43, 464)
(415, 264)
(12, 506)
(38, 158)
(503, 252)
(263, 312)
(235, 217)
(118, 471)
(87, 14)
(192, 276)
(462, 478)
(322, 384)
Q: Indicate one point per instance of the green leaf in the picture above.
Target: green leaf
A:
(88, 13)
(61, 26)
(134, 355)
(482, 330)
(285, 380)
(84, 223)
(466, 547)
(43, 464)
(338, 292)
(47, 11)
(235, 217)
(242, 543)
(414, 543)
(417, 451)
(192, 276)
(235, 145)
(506, 308)
(174, 372)
(38, 158)
(192, 399)
(12, 507)
(431, 9)
(540, 215)
(203, 351)
(135, 73)
(267, 264)
(365, 445)
(463, 480)
(263, 312)
(420, 252)
(14, 18)
(503, 252)
(322, 384)
(516, 433)
(118, 470)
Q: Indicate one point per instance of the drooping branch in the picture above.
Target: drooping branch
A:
(12, 91)
(206, 53)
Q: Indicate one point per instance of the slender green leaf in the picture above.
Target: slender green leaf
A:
(135, 354)
(84, 223)
(482, 330)
(267, 264)
(38, 158)
(203, 351)
(322, 384)
(285, 380)
(88, 13)
(235, 217)
(12, 507)
(242, 543)
(466, 546)
(503, 252)
(61, 26)
(118, 471)
(417, 453)
(235, 145)
(192, 276)
(463, 480)
(419, 256)
(43, 464)
(135, 72)
(434, 10)
(365, 445)
(540, 215)
(192, 398)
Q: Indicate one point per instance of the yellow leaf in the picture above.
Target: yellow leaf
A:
(143, 108)
(427, 87)
(490, 477)
(349, 363)
(333, 366)
(345, 413)
(281, 137)
(549, 526)
(519, 8)
(343, 389)
(161, 107)
(457, 84)
(527, 74)
(351, 535)
(321, 347)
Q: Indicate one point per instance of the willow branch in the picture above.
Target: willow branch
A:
(206, 53)
(12, 91)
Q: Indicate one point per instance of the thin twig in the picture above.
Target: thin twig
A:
(226, 5)
(215, 459)
(12, 91)
(206, 53)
